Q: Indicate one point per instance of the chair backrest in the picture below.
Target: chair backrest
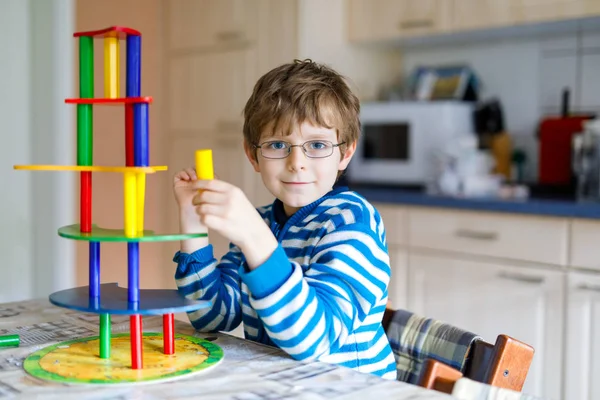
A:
(503, 365)
(439, 376)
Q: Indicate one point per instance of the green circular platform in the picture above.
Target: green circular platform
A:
(118, 235)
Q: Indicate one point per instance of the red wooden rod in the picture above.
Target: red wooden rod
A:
(129, 135)
(113, 31)
(110, 101)
(86, 202)
(135, 332)
(169, 333)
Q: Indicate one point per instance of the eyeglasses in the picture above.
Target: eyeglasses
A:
(276, 149)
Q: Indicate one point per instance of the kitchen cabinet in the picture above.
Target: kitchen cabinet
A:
(213, 58)
(556, 10)
(397, 289)
(492, 298)
(199, 24)
(207, 91)
(391, 19)
(582, 369)
(216, 51)
(394, 20)
(523, 238)
(535, 278)
(585, 252)
(394, 220)
(474, 14)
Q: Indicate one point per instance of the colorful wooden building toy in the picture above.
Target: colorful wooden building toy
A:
(106, 299)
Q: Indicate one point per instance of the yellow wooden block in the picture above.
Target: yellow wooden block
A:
(111, 67)
(130, 204)
(204, 164)
(92, 168)
(140, 200)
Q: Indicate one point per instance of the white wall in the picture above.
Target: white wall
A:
(16, 239)
(527, 74)
(35, 127)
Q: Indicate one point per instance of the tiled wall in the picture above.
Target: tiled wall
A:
(528, 75)
(570, 61)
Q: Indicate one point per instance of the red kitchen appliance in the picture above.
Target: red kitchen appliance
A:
(555, 136)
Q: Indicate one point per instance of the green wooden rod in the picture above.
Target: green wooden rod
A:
(104, 335)
(85, 116)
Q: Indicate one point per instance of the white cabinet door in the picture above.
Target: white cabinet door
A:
(491, 299)
(397, 288)
(582, 373)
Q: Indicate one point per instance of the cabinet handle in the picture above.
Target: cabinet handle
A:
(479, 235)
(588, 288)
(229, 36)
(415, 24)
(513, 276)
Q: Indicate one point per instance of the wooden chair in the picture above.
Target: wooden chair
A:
(503, 365)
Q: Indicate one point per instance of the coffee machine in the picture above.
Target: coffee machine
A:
(556, 135)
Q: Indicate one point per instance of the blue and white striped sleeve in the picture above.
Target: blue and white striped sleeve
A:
(311, 314)
(198, 276)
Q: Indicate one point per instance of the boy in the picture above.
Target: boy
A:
(309, 273)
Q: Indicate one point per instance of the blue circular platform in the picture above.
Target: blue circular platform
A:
(113, 300)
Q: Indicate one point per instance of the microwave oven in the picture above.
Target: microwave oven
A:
(399, 141)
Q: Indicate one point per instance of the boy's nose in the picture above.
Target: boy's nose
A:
(297, 159)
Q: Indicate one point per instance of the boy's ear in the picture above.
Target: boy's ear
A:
(251, 153)
(347, 156)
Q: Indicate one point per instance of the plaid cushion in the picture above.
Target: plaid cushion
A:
(414, 339)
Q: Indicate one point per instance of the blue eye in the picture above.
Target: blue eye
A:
(318, 145)
(276, 145)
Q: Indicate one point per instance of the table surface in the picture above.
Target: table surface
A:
(249, 371)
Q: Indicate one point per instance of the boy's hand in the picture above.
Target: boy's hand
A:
(224, 208)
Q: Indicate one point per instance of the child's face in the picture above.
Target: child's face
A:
(298, 180)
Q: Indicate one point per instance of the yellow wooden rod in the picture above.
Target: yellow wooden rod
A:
(93, 168)
(140, 197)
(130, 204)
(111, 67)
(204, 164)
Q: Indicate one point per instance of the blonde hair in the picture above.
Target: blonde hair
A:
(297, 92)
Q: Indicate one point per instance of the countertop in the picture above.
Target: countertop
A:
(555, 208)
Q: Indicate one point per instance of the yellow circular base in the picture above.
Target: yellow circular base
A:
(77, 361)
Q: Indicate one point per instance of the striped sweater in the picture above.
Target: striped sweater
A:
(320, 296)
